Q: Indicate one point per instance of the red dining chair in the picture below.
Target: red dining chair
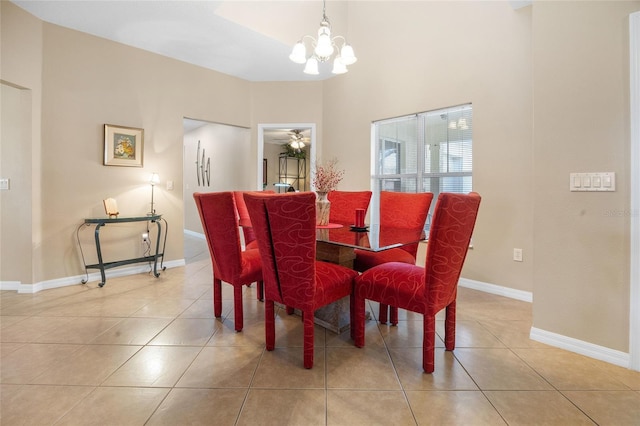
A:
(345, 203)
(402, 210)
(285, 227)
(430, 289)
(245, 222)
(230, 263)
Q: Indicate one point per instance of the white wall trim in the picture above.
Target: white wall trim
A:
(194, 234)
(525, 296)
(634, 275)
(76, 279)
(580, 347)
(9, 285)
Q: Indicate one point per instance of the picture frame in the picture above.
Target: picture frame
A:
(123, 146)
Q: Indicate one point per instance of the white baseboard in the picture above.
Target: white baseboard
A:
(195, 234)
(580, 347)
(525, 296)
(77, 279)
(570, 344)
(9, 285)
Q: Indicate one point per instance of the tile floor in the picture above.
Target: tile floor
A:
(147, 351)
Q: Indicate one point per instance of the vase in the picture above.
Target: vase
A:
(323, 205)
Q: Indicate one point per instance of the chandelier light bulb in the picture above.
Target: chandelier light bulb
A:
(324, 46)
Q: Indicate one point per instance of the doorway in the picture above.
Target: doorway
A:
(280, 134)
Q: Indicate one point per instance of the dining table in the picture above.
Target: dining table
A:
(337, 242)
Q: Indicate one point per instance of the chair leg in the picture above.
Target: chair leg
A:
(382, 313)
(450, 327)
(358, 320)
(308, 339)
(269, 325)
(428, 343)
(261, 291)
(394, 315)
(352, 302)
(217, 298)
(237, 306)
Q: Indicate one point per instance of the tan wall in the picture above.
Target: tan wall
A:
(228, 150)
(581, 116)
(88, 82)
(116, 84)
(292, 102)
(420, 56)
(20, 69)
(15, 213)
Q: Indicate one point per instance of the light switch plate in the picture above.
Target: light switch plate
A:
(592, 182)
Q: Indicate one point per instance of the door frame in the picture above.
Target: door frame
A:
(634, 213)
(260, 144)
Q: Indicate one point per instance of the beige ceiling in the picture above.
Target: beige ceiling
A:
(248, 39)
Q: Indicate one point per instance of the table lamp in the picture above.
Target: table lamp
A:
(155, 178)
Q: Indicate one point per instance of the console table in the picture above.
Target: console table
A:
(102, 265)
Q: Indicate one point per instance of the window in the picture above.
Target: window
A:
(425, 152)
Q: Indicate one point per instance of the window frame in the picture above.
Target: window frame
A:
(420, 175)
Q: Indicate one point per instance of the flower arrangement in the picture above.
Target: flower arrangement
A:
(326, 176)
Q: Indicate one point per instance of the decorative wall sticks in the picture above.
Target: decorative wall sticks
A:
(203, 171)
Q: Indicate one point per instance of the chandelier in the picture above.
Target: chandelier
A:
(323, 49)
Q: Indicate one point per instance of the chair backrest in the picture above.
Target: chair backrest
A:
(451, 228)
(405, 210)
(243, 215)
(220, 224)
(285, 227)
(345, 203)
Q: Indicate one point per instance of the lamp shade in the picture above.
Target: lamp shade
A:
(347, 55)
(299, 53)
(338, 66)
(155, 178)
(311, 67)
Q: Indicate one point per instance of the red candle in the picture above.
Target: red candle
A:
(359, 218)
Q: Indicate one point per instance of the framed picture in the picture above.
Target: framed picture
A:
(123, 146)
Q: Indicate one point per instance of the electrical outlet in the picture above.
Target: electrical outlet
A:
(517, 254)
(145, 238)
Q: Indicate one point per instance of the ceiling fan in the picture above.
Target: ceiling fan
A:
(297, 139)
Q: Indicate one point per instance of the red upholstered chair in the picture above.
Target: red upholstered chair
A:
(345, 203)
(397, 210)
(285, 227)
(243, 214)
(230, 263)
(430, 289)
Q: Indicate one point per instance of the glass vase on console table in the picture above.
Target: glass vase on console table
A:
(323, 206)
